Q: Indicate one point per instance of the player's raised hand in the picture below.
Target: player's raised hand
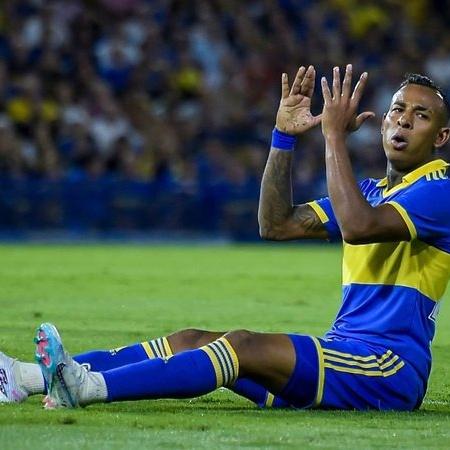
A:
(294, 114)
(340, 108)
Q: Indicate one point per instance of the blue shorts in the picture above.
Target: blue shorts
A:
(351, 375)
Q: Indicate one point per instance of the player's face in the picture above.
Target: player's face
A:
(413, 127)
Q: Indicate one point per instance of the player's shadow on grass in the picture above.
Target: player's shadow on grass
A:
(171, 406)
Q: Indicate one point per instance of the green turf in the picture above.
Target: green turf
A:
(103, 297)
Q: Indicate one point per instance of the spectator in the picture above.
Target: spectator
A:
(181, 95)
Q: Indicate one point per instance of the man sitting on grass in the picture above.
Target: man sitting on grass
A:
(396, 265)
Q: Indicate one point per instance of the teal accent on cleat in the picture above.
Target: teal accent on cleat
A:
(51, 357)
(54, 360)
(48, 349)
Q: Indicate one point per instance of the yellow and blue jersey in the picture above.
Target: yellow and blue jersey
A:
(391, 290)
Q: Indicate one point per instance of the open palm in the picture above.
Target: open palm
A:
(294, 113)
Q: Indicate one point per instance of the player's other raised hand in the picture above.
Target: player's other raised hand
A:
(340, 105)
(294, 114)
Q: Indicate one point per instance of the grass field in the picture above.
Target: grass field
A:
(103, 297)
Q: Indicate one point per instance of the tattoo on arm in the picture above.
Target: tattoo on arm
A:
(278, 218)
(275, 202)
(307, 219)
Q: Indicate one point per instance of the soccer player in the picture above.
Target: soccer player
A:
(396, 264)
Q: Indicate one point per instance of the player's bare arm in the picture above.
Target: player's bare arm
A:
(358, 220)
(278, 218)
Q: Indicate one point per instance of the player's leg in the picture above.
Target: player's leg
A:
(266, 358)
(167, 346)
(18, 379)
(192, 338)
(162, 347)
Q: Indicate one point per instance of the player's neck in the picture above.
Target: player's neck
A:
(395, 175)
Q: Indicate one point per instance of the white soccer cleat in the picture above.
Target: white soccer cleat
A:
(10, 390)
(64, 376)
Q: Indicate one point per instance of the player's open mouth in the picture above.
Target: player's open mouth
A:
(399, 142)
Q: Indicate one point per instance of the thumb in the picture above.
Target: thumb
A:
(361, 118)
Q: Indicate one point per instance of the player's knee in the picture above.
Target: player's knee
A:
(185, 339)
(192, 337)
(241, 340)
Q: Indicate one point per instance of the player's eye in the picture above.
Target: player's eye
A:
(422, 115)
(396, 109)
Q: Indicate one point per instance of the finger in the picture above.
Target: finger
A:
(336, 83)
(359, 88)
(361, 118)
(325, 91)
(295, 89)
(284, 85)
(347, 83)
(307, 87)
(292, 100)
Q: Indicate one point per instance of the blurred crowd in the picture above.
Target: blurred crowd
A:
(180, 95)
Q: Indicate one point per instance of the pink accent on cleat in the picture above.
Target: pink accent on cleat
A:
(41, 348)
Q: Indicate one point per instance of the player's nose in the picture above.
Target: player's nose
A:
(405, 121)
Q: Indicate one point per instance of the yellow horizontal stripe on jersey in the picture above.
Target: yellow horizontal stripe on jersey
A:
(319, 211)
(367, 373)
(366, 365)
(148, 350)
(329, 351)
(413, 264)
(321, 377)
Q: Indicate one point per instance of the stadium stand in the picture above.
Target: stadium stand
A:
(156, 114)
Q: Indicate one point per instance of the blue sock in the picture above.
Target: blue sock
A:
(187, 374)
(258, 394)
(101, 360)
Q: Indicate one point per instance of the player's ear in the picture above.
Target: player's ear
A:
(382, 123)
(442, 137)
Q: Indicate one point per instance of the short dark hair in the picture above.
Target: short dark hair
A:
(423, 80)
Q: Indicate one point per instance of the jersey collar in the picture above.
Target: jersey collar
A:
(413, 176)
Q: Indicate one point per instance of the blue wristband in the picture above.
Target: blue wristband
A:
(283, 141)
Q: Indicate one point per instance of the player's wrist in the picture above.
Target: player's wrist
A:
(283, 141)
(335, 136)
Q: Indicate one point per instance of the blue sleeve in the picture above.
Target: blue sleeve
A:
(324, 210)
(426, 210)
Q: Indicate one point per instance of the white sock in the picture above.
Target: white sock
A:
(29, 377)
(94, 389)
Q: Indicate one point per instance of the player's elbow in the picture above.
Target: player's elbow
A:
(268, 230)
(270, 233)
